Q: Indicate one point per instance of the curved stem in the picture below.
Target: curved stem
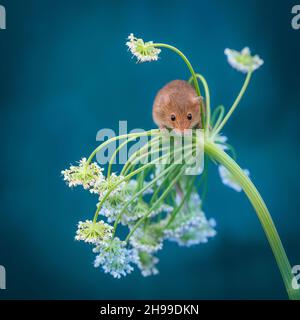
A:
(130, 175)
(235, 104)
(141, 157)
(140, 192)
(140, 154)
(207, 100)
(262, 213)
(159, 188)
(185, 59)
(154, 206)
(123, 144)
(190, 67)
(180, 206)
(219, 111)
(123, 136)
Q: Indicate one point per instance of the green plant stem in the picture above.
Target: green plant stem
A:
(132, 163)
(183, 200)
(155, 205)
(129, 135)
(140, 192)
(135, 159)
(140, 158)
(158, 189)
(130, 175)
(122, 145)
(135, 156)
(190, 67)
(262, 212)
(215, 121)
(185, 59)
(235, 104)
(207, 100)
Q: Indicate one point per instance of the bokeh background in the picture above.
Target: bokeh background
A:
(65, 74)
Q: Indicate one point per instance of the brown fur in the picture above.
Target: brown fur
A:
(178, 97)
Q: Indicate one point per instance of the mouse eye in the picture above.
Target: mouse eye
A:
(189, 116)
(173, 117)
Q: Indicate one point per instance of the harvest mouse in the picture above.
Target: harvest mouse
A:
(177, 106)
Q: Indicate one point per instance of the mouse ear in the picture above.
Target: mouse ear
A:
(164, 99)
(198, 100)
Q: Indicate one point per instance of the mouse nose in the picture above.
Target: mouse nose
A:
(179, 131)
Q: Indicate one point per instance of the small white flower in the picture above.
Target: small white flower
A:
(83, 174)
(91, 232)
(101, 186)
(221, 141)
(229, 180)
(115, 258)
(110, 210)
(190, 226)
(243, 61)
(147, 263)
(143, 51)
(147, 239)
(118, 198)
(135, 211)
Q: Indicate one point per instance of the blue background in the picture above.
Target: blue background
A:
(65, 74)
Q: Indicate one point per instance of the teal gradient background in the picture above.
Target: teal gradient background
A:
(65, 74)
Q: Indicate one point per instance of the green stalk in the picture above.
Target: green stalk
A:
(123, 144)
(158, 189)
(140, 192)
(235, 104)
(185, 59)
(207, 100)
(215, 121)
(123, 136)
(262, 212)
(190, 67)
(130, 175)
(135, 156)
(131, 166)
(183, 200)
(155, 205)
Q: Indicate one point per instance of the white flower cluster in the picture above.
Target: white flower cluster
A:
(226, 177)
(243, 61)
(190, 226)
(191, 231)
(221, 141)
(137, 209)
(134, 212)
(94, 233)
(83, 174)
(143, 51)
(148, 240)
(147, 263)
(117, 199)
(115, 258)
(114, 182)
(229, 180)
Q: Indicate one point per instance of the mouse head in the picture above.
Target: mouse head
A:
(181, 114)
